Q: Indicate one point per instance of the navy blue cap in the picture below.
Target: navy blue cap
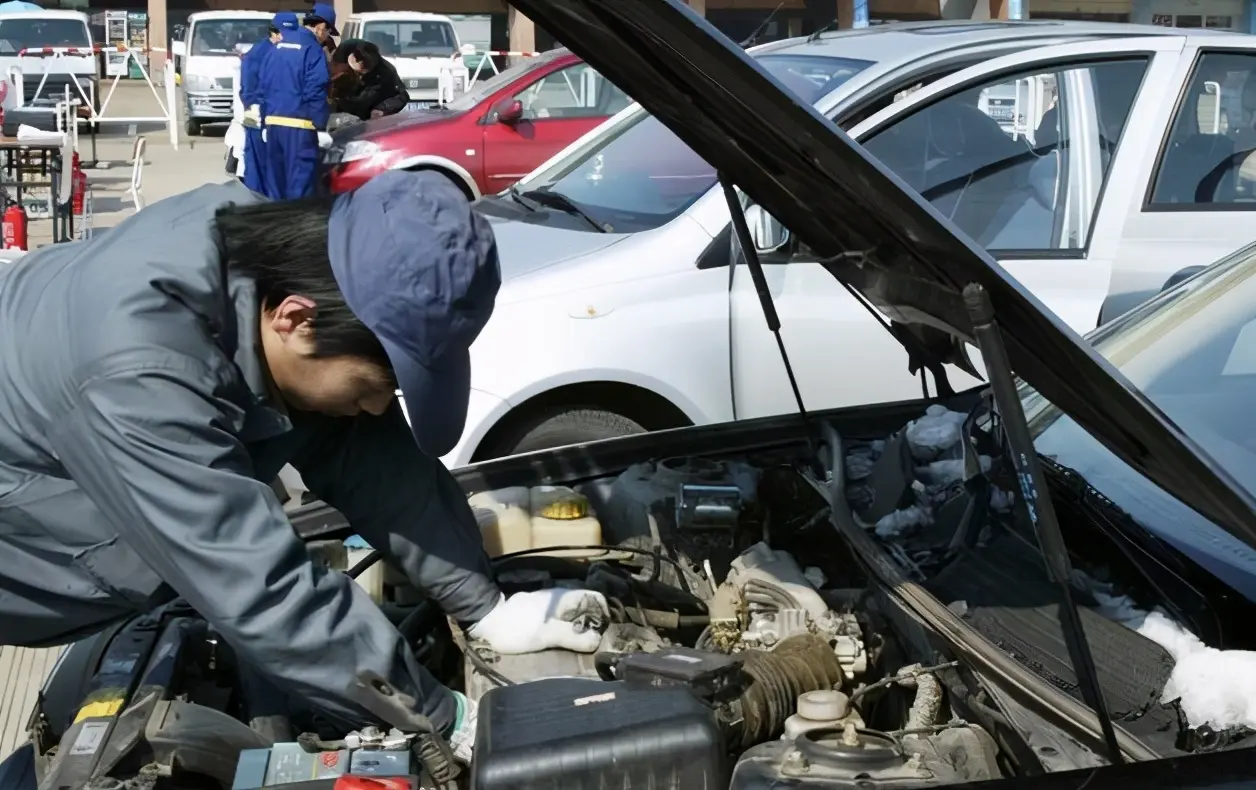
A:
(285, 20)
(419, 267)
(327, 13)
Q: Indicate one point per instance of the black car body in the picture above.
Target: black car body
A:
(1005, 703)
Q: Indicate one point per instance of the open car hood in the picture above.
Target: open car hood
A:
(876, 235)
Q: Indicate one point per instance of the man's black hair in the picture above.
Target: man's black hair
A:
(282, 247)
(313, 21)
(274, 30)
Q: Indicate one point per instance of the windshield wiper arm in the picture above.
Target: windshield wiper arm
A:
(559, 201)
(1041, 510)
(519, 198)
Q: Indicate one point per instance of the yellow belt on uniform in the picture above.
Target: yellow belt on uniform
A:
(295, 123)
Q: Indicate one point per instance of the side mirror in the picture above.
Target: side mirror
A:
(510, 112)
(179, 49)
(768, 234)
(1180, 275)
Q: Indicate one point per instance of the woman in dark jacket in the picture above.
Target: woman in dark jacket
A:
(379, 91)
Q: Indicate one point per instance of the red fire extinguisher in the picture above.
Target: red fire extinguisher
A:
(13, 227)
(78, 186)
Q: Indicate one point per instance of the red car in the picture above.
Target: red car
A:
(489, 137)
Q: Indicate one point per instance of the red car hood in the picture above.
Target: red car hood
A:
(395, 123)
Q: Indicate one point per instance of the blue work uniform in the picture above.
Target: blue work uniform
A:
(295, 106)
(251, 69)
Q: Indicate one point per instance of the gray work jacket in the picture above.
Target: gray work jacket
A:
(136, 447)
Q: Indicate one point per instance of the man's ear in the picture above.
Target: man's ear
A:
(292, 316)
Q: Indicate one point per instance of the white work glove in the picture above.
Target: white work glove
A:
(253, 117)
(529, 622)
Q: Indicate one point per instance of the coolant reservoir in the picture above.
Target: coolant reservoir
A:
(561, 517)
(504, 519)
(817, 710)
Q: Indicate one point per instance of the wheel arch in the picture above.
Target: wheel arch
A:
(640, 404)
(456, 172)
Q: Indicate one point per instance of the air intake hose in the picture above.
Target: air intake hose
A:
(799, 664)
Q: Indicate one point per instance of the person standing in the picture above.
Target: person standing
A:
(295, 104)
(252, 67)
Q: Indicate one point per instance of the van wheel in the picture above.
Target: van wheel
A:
(192, 127)
(568, 426)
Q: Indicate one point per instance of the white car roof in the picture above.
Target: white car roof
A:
(201, 16)
(49, 13)
(905, 41)
(411, 16)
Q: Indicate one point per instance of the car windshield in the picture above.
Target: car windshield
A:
(19, 34)
(1192, 352)
(220, 36)
(639, 175)
(411, 38)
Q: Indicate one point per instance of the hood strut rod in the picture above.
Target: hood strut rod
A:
(989, 339)
(760, 283)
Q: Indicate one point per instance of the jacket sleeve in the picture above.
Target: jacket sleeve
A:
(314, 84)
(394, 94)
(248, 77)
(153, 449)
(404, 504)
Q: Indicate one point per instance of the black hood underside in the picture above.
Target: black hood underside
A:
(873, 233)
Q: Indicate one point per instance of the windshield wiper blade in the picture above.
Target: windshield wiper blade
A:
(1041, 510)
(559, 201)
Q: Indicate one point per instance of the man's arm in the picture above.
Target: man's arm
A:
(395, 95)
(153, 447)
(404, 503)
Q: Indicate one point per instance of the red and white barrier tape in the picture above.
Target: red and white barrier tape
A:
(77, 52)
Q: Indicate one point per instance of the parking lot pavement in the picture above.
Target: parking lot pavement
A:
(167, 172)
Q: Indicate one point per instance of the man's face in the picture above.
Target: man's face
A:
(320, 32)
(335, 386)
(276, 37)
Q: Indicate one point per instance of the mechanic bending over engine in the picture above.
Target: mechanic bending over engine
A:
(380, 91)
(158, 377)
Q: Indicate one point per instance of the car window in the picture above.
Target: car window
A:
(1005, 160)
(220, 36)
(1192, 352)
(637, 175)
(1209, 157)
(574, 92)
(19, 34)
(412, 38)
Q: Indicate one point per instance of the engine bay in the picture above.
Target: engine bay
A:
(748, 644)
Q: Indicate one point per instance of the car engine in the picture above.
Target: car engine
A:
(727, 587)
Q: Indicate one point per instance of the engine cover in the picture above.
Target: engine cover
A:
(578, 733)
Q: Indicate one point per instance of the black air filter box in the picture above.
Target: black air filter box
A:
(577, 734)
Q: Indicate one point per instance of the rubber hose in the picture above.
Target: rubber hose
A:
(798, 664)
(668, 621)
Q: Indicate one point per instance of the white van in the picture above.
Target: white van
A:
(207, 60)
(67, 31)
(419, 45)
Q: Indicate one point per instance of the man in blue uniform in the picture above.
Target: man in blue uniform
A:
(294, 100)
(251, 70)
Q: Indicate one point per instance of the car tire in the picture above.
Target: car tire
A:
(193, 128)
(569, 426)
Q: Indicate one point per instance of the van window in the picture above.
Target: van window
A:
(639, 176)
(411, 39)
(18, 34)
(220, 36)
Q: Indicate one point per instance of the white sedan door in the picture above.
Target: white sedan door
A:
(1014, 152)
